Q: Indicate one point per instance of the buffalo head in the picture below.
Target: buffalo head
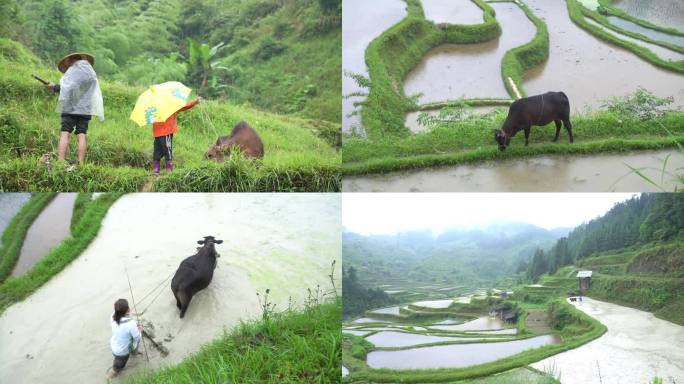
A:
(501, 139)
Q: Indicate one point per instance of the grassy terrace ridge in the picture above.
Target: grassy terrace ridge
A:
(15, 289)
(396, 51)
(391, 147)
(615, 11)
(578, 12)
(576, 329)
(298, 346)
(603, 20)
(15, 232)
(301, 154)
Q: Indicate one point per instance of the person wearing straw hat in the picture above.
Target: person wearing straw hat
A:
(80, 98)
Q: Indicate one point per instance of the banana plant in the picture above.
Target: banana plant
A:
(202, 62)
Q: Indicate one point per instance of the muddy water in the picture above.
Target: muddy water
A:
(509, 331)
(355, 332)
(636, 348)
(64, 329)
(590, 70)
(454, 356)
(541, 174)
(364, 320)
(10, 204)
(453, 71)
(452, 11)
(362, 21)
(482, 323)
(648, 32)
(345, 371)
(401, 339)
(47, 231)
(666, 13)
(662, 52)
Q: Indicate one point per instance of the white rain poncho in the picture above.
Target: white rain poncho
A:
(79, 91)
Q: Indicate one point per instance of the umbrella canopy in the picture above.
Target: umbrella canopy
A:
(160, 102)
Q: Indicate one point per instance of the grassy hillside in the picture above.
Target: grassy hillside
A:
(649, 277)
(282, 56)
(292, 347)
(300, 155)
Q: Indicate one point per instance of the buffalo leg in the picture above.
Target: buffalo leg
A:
(558, 128)
(185, 302)
(568, 127)
(527, 135)
(178, 303)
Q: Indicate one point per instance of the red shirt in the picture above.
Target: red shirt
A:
(170, 126)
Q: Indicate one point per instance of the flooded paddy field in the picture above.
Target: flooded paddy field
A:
(453, 71)
(63, 329)
(362, 21)
(11, 203)
(637, 347)
(667, 13)
(452, 11)
(455, 355)
(47, 231)
(588, 173)
(648, 32)
(589, 70)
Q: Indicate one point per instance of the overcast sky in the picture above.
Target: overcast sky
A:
(387, 213)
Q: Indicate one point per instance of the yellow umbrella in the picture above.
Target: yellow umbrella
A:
(159, 102)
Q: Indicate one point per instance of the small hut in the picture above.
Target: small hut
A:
(584, 281)
(510, 316)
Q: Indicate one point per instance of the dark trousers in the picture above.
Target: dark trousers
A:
(163, 148)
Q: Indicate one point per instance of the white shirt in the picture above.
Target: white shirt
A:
(123, 335)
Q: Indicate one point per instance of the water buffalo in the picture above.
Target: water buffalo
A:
(535, 110)
(195, 273)
(243, 137)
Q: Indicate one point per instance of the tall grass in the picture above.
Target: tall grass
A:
(16, 289)
(120, 153)
(15, 232)
(296, 346)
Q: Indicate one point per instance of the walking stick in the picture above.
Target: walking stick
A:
(136, 311)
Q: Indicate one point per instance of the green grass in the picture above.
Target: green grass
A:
(16, 289)
(471, 141)
(578, 12)
(15, 232)
(298, 346)
(81, 202)
(396, 51)
(300, 154)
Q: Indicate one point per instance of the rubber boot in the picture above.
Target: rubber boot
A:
(169, 166)
(157, 164)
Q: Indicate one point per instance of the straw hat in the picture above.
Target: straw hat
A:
(62, 64)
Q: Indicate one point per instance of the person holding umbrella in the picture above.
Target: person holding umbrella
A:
(159, 106)
(80, 98)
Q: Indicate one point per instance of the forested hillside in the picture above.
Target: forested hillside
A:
(458, 256)
(357, 299)
(279, 55)
(635, 251)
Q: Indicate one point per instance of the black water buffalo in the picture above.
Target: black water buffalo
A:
(195, 273)
(535, 110)
(243, 137)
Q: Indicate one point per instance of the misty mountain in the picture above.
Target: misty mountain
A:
(456, 255)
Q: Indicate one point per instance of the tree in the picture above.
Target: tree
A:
(9, 13)
(58, 33)
(201, 64)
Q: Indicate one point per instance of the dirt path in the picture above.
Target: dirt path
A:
(636, 348)
(284, 242)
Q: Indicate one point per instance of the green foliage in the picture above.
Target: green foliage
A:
(80, 204)
(291, 347)
(641, 105)
(299, 153)
(357, 299)
(16, 289)
(15, 232)
(268, 48)
(202, 64)
(58, 31)
(9, 13)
